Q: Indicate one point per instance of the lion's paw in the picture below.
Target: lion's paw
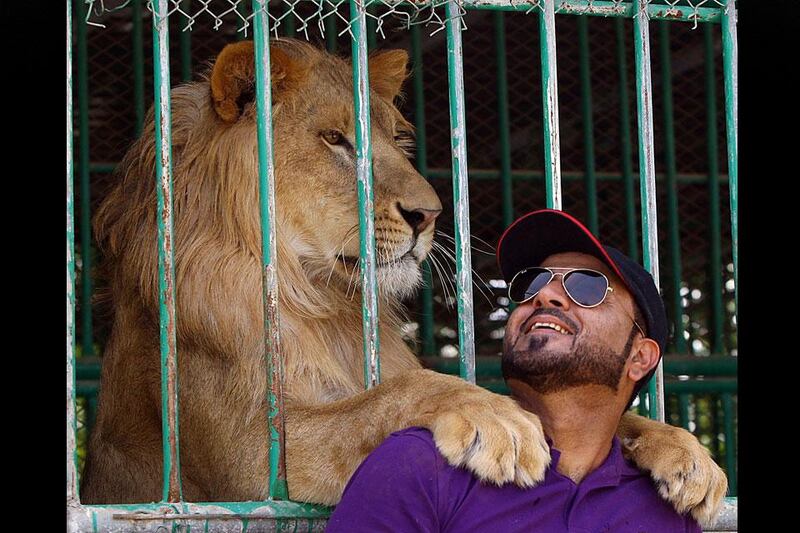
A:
(683, 470)
(495, 439)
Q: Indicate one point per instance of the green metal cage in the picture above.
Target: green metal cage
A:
(554, 128)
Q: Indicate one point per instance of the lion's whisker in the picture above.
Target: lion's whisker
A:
(436, 267)
(350, 280)
(341, 253)
(472, 247)
(444, 279)
(481, 288)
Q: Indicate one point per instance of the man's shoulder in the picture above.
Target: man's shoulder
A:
(642, 492)
(409, 442)
(405, 452)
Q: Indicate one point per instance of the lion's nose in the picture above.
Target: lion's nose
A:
(419, 218)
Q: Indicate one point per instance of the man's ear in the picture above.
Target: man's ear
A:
(644, 357)
(233, 78)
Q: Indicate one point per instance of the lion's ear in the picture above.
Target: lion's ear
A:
(233, 78)
(387, 72)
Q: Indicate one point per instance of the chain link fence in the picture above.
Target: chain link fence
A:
(119, 57)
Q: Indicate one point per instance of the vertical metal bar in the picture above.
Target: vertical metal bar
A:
(588, 123)
(426, 330)
(730, 62)
(715, 266)
(289, 20)
(372, 25)
(91, 412)
(87, 345)
(331, 34)
(714, 429)
(138, 66)
(552, 151)
(242, 11)
(186, 46)
(72, 428)
(672, 187)
(166, 267)
(647, 176)
(642, 408)
(683, 408)
(502, 114)
(266, 173)
(625, 139)
(458, 142)
(730, 443)
(366, 221)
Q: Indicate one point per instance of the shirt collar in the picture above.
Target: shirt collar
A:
(609, 472)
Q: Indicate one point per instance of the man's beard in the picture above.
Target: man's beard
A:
(546, 371)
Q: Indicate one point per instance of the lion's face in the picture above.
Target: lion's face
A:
(316, 184)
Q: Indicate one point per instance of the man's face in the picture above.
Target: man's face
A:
(594, 348)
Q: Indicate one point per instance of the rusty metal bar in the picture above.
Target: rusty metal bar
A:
(166, 266)
(72, 429)
(458, 143)
(647, 177)
(673, 222)
(366, 221)
(625, 141)
(716, 322)
(216, 516)
(730, 64)
(552, 153)
(427, 323)
(87, 340)
(269, 256)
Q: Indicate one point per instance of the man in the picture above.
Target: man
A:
(586, 335)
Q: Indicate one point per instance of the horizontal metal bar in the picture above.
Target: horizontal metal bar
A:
(483, 174)
(493, 174)
(86, 388)
(728, 517)
(714, 365)
(717, 386)
(214, 516)
(599, 8)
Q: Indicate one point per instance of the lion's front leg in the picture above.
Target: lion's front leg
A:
(484, 432)
(681, 467)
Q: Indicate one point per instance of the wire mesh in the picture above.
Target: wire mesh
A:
(304, 17)
(214, 23)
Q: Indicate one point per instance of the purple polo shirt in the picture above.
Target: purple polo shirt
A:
(405, 485)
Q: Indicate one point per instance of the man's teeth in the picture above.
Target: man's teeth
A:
(551, 326)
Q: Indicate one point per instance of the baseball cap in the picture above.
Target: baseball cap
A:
(539, 234)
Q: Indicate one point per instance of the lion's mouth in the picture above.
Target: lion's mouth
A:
(351, 263)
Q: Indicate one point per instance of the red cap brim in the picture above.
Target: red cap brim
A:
(534, 237)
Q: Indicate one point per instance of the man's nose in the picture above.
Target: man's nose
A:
(552, 295)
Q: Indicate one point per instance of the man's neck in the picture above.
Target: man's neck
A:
(581, 422)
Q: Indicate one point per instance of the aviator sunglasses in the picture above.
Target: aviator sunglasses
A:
(584, 286)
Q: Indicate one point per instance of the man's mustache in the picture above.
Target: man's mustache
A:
(552, 311)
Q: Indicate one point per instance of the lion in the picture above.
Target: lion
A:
(332, 423)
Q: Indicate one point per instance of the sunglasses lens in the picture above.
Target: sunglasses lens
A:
(587, 288)
(527, 283)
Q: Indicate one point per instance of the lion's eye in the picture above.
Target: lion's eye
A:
(333, 137)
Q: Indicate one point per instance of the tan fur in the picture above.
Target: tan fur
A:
(331, 423)
(681, 468)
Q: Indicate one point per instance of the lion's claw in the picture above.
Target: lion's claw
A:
(683, 471)
(500, 444)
